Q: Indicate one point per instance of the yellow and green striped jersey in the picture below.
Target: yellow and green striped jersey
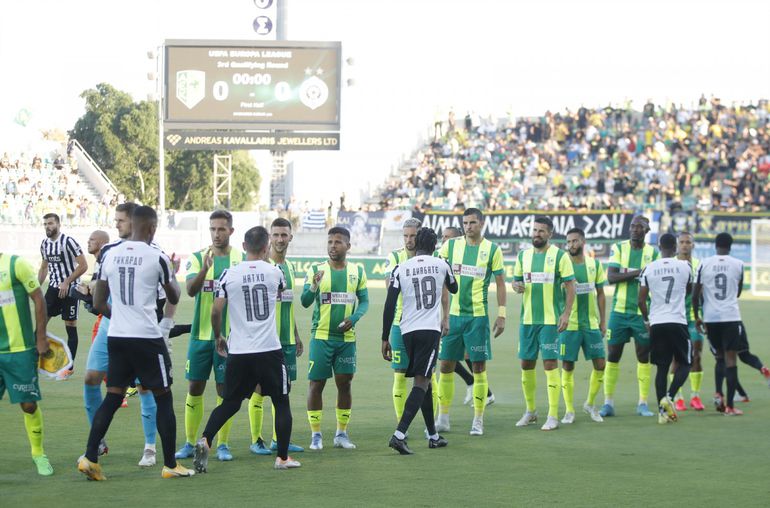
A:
(473, 266)
(585, 311)
(336, 299)
(17, 280)
(396, 258)
(542, 274)
(694, 264)
(204, 300)
(284, 307)
(626, 259)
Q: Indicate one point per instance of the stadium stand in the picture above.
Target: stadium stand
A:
(31, 186)
(706, 157)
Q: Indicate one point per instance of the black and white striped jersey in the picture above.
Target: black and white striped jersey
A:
(61, 255)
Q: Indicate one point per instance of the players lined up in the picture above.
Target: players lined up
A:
(563, 311)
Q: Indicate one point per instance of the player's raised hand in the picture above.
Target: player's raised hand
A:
(317, 277)
(499, 327)
(387, 352)
(208, 259)
(176, 262)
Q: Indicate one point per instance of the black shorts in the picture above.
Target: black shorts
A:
(243, 372)
(727, 336)
(160, 304)
(422, 349)
(67, 307)
(670, 340)
(132, 358)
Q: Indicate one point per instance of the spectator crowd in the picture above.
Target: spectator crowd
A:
(708, 157)
(31, 186)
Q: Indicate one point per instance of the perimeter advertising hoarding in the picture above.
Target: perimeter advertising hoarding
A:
(285, 85)
(599, 226)
(241, 140)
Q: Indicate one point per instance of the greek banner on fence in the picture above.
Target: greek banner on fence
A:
(599, 226)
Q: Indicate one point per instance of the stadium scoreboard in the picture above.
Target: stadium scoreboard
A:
(252, 85)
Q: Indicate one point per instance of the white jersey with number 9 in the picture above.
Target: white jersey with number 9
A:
(720, 277)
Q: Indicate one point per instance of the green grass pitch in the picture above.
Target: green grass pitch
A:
(706, 459)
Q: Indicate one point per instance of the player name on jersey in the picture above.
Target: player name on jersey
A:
(251, 278)
(128, 260)
(421, 270)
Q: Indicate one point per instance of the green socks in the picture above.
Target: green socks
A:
(696, 378)
(399, 393)
(552, 379)
(529, 386)
(480, 386)
(343, 418)
(568, 389)
(446, 392)
(594, 383)
(34, 425)
(643, 373)
(255, 416)
(610, 379)
(193, 415)
(224, 432)
(314, 418)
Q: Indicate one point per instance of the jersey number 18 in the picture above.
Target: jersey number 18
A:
(424, 292)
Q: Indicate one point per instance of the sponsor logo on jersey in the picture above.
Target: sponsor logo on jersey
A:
(7, 298)
(584, 288)
(539, 278)
(337, 298)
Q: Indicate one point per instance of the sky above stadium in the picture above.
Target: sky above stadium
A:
(412, 59)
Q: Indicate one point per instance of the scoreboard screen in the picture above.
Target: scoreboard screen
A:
(252, 85)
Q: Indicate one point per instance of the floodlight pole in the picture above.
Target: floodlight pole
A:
(161, 152)
(278, 173)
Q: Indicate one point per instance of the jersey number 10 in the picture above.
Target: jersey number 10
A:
(255, 299)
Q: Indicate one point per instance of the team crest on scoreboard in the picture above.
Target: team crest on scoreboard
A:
(190, 87)
(313, 92)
